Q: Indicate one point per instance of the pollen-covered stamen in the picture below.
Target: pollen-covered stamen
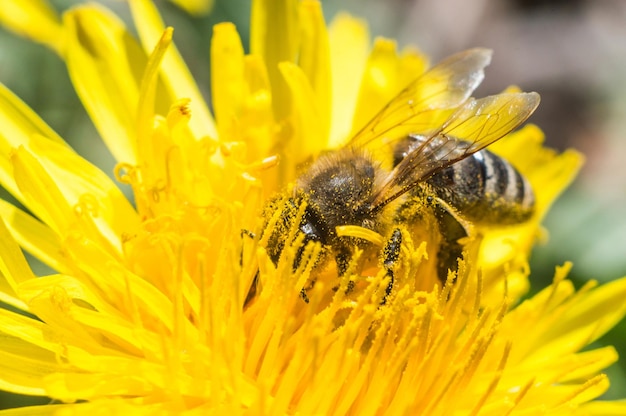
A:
(361, 233)
(264, 164)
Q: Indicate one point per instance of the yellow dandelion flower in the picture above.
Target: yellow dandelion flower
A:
(176, 305)
(194, 7)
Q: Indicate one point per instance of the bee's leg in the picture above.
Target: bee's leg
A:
(252, 291)
(308, 238)
(274, 256)
(303, 291)
(450, 250)
(342, 259)
(303, 294)
(248, 233)
(391, 253)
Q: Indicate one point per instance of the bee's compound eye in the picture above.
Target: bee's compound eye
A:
(429, 199)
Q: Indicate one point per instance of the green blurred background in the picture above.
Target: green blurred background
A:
(573, 52)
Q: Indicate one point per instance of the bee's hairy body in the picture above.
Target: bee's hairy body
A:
(436, 173)
(338, 188)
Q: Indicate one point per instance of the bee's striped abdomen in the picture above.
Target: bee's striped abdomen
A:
(485, 188)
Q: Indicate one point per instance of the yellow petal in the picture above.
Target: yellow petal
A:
(23, 369)
(34, 19)
(314, 59)
(241, 98)
(148, 94)
(97, 407)
(41, 193)
(563, 396)
(584, 365)
(78, 191)
(227, 79)
(195, 7)
(105, 64)
(386, 74)
(274, 36)
(65, 202)
(34, 236)
(379, 84)
(176, 76)
(258, 119)
(551, 327)
(413, 63)
(586, 317)
(603, 408)
(88, 189)
(309, 132)
(19, 124)
(115, 280)
(349, 46)
(13, 268)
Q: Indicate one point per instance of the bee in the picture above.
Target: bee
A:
(421, 158)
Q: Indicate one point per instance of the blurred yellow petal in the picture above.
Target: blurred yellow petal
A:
(34, 236)
(602, 408)
(41, 194)
(258, 123)
(23, 368)
(195, 7)
(275, 37)
(90, 190)
(227, 79)
(34, 19)
(349, 45)
(379, 83)
(176, 76)
(314, 59)
(147, 105)
(585, 320)
(74, 190)
(307, 114)
(13, 268)
(413, 63)
(105, 64)
(19, 124)
(386, 73)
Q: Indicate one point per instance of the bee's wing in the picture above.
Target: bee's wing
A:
(429, 100)
(471, 128)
